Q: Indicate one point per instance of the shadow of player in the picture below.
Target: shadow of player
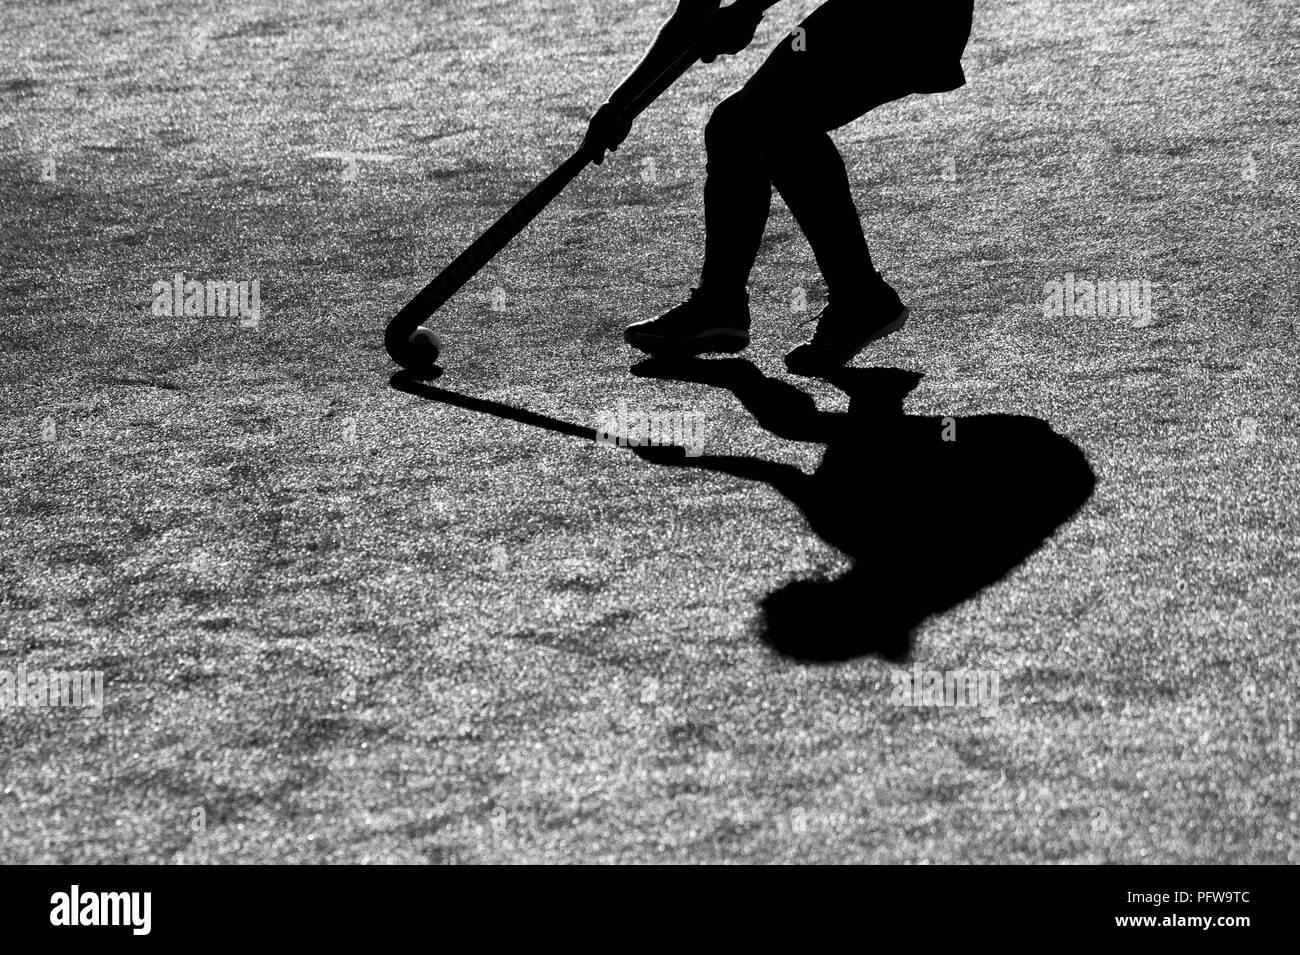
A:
(927, 522)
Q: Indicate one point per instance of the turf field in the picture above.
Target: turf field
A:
(339, 620)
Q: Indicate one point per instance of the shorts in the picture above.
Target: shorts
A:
(850, 56)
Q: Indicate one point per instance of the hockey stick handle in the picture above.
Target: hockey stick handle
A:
(675, 70)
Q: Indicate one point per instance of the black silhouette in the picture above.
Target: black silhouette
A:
(842, 61)
(928, 522)
(847, 58)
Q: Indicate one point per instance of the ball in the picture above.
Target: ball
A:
(425, 346)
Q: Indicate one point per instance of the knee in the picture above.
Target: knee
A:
(731, 125)
(744, 123)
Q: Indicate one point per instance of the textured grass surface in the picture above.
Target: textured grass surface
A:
(341, 623)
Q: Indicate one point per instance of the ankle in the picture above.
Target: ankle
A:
(856, 279)
(864, 288)
(726, 295)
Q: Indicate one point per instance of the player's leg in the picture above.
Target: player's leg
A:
(817, 81)
(847, 61)
(774, 131)
(737, 199)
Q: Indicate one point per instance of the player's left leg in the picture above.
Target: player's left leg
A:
(737, 199)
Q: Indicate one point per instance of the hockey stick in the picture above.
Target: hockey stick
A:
(422, 352)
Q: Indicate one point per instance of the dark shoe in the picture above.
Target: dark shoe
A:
(844, 330)
(703, 323)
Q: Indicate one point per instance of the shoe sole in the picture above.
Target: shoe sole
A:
(894, 326)
(723, 341)
(883, 331)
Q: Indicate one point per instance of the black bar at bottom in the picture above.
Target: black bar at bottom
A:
(350, 905)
